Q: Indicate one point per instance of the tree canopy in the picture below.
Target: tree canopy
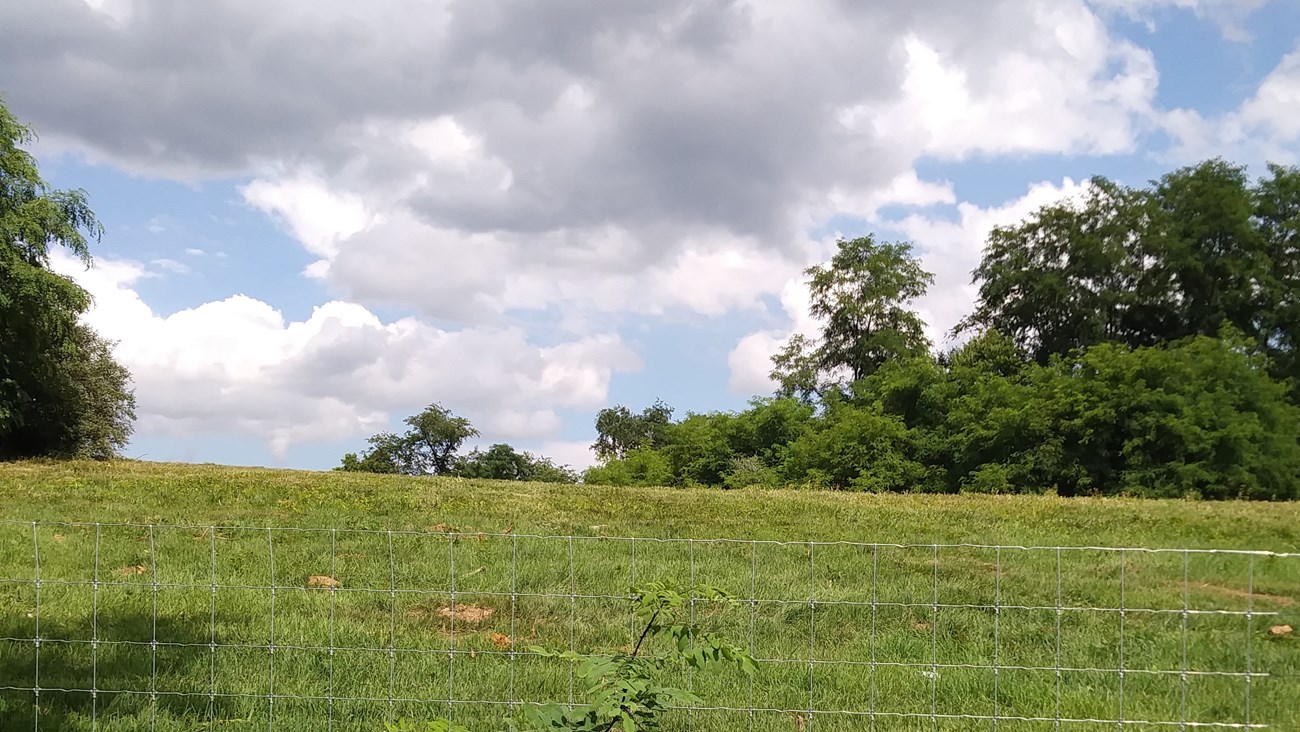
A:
(431, 446)
(61, 391)
(862, 298)
(1198, 249)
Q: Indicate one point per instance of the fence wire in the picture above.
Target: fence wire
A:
(227, 627)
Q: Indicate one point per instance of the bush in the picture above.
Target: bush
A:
(643, 466)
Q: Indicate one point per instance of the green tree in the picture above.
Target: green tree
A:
(641, 466)
(1198, 248)
(429, 446)
(61, 392)
(503, 462)
(434, 437)
(858, 448)
(619, 430)
(862, 298)
(386, 455)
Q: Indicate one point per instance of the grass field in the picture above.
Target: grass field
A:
(951, 637)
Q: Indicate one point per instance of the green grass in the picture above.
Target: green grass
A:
(395, 589)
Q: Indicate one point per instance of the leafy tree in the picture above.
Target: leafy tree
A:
(1196, 418)
(434, 436)
(642, 466)
(503, 462)
(855, 447)
(769, 426)
(428, 447)
(862, 299)
(61, 392)
(699, 450)
(1199, 248)
(386, 455)
(619, 431)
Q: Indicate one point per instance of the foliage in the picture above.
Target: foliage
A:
(431, 446)
(61, 392)
(641, 466)
(503, 462)
(862, 299)
(631, 690)
(386, 455)
(619, 431)
(428, 447)
(434, 436)
(860, 448)
(1198, 248)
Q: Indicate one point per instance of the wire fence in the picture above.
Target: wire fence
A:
(135, 626)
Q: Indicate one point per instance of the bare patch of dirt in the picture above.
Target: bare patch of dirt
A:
(1235, 592)
(133, 570)
(59, 537)
(501, 641)
(467, 613)
(1280, 630)
(323, 581)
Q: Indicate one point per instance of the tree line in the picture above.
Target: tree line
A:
(1136, 341)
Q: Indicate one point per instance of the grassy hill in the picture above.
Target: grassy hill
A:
(443, 583)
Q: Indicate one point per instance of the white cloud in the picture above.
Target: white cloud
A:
(1264, 127)
(611, 156)
(237, 365)
(317, 216)
(171, 265)
(1076, 91)
(577, 455)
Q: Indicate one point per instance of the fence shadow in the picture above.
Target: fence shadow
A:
(124, 667)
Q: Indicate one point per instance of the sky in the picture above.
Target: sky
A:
(321, 216)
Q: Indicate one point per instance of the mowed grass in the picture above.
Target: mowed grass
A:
(444, 583)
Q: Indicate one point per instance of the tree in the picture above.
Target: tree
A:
(61, 392)
(619, 431)
(386, 455)
(862, 299)
(428, 448)
(503, 462)
(435, 436)
(1199, 248)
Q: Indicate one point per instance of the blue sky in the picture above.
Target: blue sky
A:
(529, 212)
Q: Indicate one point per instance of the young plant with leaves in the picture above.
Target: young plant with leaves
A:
(632, 690)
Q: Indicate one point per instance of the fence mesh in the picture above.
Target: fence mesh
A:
(127, 626)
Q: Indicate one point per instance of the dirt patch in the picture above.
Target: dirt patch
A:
(130, 571)
(501, 640)
(59, 537)
(1280, 630)
(323, 581)
(467, 613)
(920, 625)
(1235, 592)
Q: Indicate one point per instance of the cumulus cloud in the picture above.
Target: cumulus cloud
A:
(515, 155)
(239, 364)
(1264, 127)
